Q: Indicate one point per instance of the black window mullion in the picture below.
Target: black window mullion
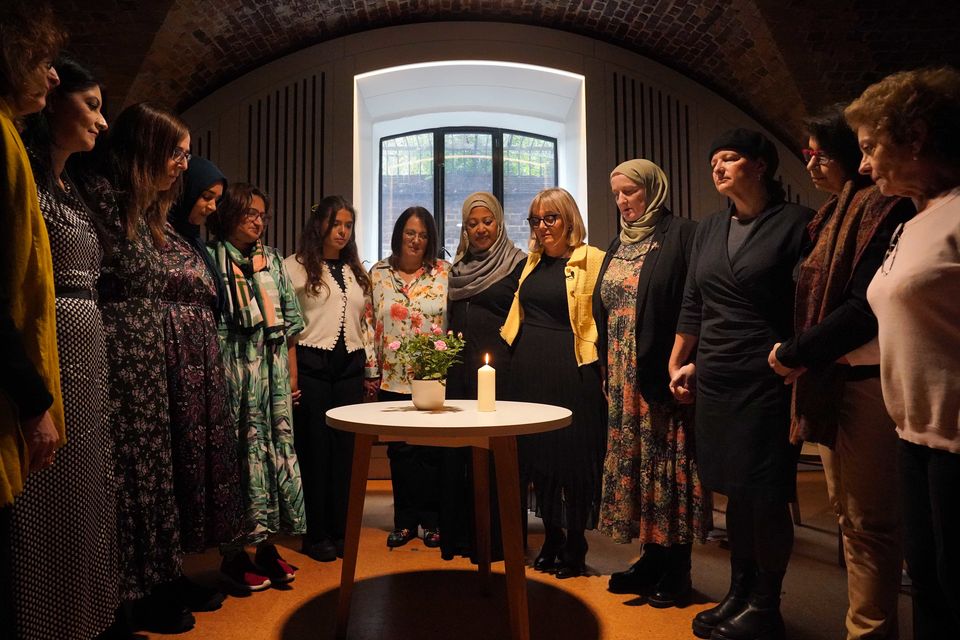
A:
(498, 164)
(439, 147)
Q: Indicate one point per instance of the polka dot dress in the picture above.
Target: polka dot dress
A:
(64, 525)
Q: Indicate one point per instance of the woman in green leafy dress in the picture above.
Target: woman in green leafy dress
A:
(651, 488)
(260, 318)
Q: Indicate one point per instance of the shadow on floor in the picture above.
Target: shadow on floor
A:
(441, 605)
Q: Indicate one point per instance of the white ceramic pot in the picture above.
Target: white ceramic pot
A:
(428, 395)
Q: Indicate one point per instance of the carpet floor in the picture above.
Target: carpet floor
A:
(410, 593)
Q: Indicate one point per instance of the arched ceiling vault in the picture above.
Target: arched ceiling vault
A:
(779, 60)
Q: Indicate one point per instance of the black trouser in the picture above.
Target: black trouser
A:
(930, 494)
(415, 475)
(8, 624)
(761, 532)
(327, 379)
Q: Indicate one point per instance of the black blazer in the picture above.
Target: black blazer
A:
(659, 296)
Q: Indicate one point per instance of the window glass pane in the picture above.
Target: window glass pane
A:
(406, 174)
(467, 167)
(529, 166)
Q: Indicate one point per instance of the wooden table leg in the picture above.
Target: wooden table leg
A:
(508, 494)
(358, 491)
(481, 513)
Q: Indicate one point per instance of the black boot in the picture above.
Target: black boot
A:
(548, 559)
(674, 587)
(761, 619)
(742, 577)
(643, 576)
(573, 558)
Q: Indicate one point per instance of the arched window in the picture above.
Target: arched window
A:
(439, 168)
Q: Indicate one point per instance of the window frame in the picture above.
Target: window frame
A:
(439, 138)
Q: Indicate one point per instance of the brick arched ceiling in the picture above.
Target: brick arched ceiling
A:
(777, 59)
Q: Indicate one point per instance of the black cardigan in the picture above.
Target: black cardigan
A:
(659, 296)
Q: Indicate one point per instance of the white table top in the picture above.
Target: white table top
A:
(457, 418)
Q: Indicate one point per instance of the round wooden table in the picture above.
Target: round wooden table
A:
(457, 424)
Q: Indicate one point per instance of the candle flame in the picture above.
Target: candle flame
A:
(486, 358)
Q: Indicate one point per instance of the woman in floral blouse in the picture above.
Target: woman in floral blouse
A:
(409, 294)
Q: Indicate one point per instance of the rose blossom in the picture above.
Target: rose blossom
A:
(393, 346)
(440, 345)
(435, 328)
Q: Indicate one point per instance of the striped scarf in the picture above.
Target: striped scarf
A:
(249, 307)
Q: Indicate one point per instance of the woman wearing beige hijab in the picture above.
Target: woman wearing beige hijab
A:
(651, 488)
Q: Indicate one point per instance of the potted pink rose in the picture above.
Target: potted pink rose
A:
(427, 355)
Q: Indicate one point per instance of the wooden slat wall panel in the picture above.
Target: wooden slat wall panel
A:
(282, 153)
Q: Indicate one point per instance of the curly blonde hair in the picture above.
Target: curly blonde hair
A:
(894, 106)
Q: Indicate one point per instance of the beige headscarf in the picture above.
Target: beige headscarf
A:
(472, 273)
(655, 185)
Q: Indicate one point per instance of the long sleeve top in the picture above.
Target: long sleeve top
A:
(336, 310)
(398, 308)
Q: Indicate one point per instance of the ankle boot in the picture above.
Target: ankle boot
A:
(742, 577)
(674, 587)
(761, 619)
(643, 576)
(548, 560)
(573, 559)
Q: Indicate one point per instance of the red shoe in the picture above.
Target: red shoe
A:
(242, 574)
(270, 563)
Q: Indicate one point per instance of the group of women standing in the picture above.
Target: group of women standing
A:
(166, 394)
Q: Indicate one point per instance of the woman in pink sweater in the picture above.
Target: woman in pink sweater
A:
(908, 126)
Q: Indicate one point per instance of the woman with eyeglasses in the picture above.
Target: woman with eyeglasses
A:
(551, 321)
(206, 461)
(738, 303)
(837, 400)
(409, 294)
(31, 408)
(908, 126)
(484, 276)
(260, 319)
(137, 183)
(651, 484)
(335, 359)
(68, 511)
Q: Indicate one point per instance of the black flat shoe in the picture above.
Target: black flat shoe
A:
(400, 537)
(547, 561)
(431, 538)
(322, 551)
(160, 615)
(571, 570)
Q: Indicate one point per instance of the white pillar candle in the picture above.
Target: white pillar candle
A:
(486, 386)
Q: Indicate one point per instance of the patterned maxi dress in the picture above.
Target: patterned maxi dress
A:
(258, 385)
(206, 459)
(64, 522)
(651, 488)
(148, 530)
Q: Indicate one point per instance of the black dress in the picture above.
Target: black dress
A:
(565, 465)
(479, 318)
(740, 306)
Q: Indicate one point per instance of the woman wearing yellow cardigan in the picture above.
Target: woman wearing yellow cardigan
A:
(554, 338)
(31, 410)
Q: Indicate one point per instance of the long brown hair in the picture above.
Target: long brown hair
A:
(139, 145)
(396, 240)
(310, 250)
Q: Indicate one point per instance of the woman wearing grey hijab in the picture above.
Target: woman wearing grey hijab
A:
(484, 277)
(651, 487)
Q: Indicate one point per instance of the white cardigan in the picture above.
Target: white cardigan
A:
(332, 311)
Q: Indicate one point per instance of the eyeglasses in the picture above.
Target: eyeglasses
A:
(549, 219)
(249, 215)
(822, 158)
(891, 255)
(409, 234)
(179, 155)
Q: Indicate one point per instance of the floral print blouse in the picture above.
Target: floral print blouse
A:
(399, 308)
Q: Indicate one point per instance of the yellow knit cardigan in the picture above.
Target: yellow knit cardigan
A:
(28, 277)
(582, 270)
